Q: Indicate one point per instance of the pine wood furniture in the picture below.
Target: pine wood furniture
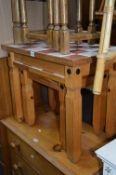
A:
(31, 150)
(5, 95)
(58, 35)
(67, 75)
(4, 153)
(99, 13)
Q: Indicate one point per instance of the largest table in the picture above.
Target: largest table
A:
(66, 73)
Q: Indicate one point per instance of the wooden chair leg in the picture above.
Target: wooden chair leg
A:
(91, 27)
(50, 25)
(56, 31)
(23, 16)
(64, 32)
(79, 16)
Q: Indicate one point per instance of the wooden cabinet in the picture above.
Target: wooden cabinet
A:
(4, 153)
(25, 159)
(20, 166)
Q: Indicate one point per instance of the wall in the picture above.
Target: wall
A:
(5, 24)
(36, 15)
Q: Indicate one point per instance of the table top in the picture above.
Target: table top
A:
(79, 53)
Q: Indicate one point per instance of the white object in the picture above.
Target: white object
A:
(108, 156)
(35, 140)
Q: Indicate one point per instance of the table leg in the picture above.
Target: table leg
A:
(73, 113)
(111, 105)
(99, 108)
(62, 93)
(28, 98)
(52, 99)
(15, 89)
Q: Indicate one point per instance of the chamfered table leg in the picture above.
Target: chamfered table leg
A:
(100, 108)
(28, 98)
(15, 89)
(73, 113)
(111, 105)
(62, 93)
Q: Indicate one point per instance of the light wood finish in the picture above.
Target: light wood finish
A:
(73, 114)
(28, 98)
(73, 72)
(102, 6)
(56, 31)
(49, 136)
(79, 16)
(20, 166)
(91, 27)
(5, 91)
(36, 162)
(111, 109)
(51, 98)
(84, 36)
(37, 35)
(37, 94)
(24, 26)
(57, 34)
(15, 89)
(104, 45)
(62, 93)
(53, 63)
(23, 14)
(16, 21)
(50, 25)
(64, 32)
(73, 36)
(99, 113)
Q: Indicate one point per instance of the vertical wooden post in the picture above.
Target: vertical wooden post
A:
(102, 6)
(73, 113)
(62, 93)
(64, 32)
(91, 27)
(100, 108)
(56, 40)
(16, 21)
(111, 105)
(16, 89)
(104, 45)
(79, 16)
(23, 15)
(5, 90)
(50, 25)
(37, 94)
(51, 98)
(28, 98)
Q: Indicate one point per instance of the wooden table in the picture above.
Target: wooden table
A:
(67, 74)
